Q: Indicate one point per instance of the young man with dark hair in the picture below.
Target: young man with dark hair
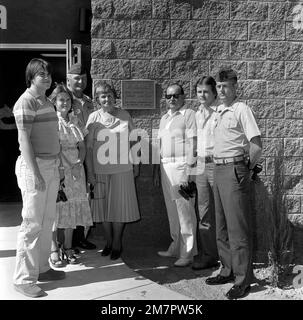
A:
(206, 227)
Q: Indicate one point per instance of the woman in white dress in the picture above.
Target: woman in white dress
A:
(115, 200)
(76, 210)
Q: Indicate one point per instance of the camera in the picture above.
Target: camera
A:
(61, 196)
(189, 191)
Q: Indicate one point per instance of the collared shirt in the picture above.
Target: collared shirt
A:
(38, 117)
(235, 127)
(83, 107)
(205, 119)
(174, 131)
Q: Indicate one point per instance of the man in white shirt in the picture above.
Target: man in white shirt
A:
(206, 227)
(177, 134)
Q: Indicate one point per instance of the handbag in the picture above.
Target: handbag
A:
(61, 196)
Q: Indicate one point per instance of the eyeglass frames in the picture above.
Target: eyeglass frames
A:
(176, 96)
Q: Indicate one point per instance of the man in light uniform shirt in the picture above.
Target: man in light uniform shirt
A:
(236, 152)
(76, 83)
(82, 107)
(206, 227)
(177, 136)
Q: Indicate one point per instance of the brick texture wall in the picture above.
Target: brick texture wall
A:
(181, 40)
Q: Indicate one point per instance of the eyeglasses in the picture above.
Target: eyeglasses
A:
(176, 96)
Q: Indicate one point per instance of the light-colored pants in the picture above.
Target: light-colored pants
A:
(206, 230)
(38, 213)
(181, 214)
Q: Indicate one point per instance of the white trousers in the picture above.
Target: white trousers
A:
(38, 213)
(180, 212)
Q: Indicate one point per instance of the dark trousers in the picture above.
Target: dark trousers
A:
(233, 221)
(206, 226)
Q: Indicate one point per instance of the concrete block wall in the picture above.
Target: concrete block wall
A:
(181, 40)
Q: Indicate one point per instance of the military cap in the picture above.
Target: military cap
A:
(77, 68)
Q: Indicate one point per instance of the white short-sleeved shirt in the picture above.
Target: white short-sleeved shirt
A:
(205, 119)
(174, 132)
(235, 126)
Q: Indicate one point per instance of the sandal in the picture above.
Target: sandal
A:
(69, 256)
(57, 262)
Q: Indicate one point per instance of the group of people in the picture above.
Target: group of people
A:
(61, 140)
(58, 142)
(217, 147)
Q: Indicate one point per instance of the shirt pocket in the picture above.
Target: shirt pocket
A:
(232, 123)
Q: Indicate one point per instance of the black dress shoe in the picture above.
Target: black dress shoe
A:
(84, 244)
(219, 280)
(205, 265)
(237, 292)
(115, 254)
(106, 251)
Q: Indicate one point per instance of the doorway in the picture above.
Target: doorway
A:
(12, 84)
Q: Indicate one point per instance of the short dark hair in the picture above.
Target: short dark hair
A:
(209, 81)
(177, 85)
(33, 67)
(226, 74)
(104, 87)
(60, 87)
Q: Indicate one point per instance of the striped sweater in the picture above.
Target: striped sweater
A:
(39, 119)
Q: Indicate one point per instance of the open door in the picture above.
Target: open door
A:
(15, 58)
(73, 54)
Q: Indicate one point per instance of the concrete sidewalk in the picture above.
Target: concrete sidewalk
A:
(95, 278)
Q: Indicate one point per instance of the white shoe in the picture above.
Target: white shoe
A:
(182, 262)
(166, 254)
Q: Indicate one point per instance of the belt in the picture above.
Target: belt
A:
(48, 157)
(173, 159)
(220, 161)
(207, 159)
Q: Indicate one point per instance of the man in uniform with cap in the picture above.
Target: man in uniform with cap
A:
(83, 107)
(237, 149)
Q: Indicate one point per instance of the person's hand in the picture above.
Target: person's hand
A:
(61, 173)
(136, 170)
(191, 178)
(184, 183)
(156, 178)
(91, 178)
(192, 165)
(39, 182)
(76, 171)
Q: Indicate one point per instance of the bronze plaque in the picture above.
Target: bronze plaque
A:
(138, 94)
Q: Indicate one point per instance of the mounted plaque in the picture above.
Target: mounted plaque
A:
(138, 94)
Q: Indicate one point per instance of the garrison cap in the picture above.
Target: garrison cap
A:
(77, 68)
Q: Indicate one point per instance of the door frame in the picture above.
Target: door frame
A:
(72, 51)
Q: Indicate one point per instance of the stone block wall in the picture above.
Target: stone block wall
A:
(181, 40)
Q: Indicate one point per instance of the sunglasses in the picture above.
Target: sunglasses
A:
(176, 96)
